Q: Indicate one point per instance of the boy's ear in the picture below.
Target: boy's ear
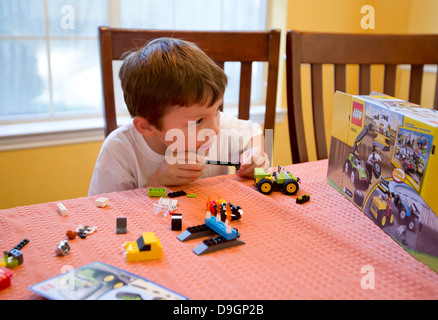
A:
(144, 127)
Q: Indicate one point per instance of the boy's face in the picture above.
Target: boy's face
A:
(196, 124)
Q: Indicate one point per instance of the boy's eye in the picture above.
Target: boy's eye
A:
(199, 121)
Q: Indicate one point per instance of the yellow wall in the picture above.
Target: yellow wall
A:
(46, 174)
(61, 172)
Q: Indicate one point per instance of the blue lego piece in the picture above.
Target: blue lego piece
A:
(220, 229)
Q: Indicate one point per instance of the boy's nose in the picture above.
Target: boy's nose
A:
(215, 127)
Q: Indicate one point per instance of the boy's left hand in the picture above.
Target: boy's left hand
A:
(251, 159)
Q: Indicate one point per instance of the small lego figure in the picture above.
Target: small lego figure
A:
(63, 248)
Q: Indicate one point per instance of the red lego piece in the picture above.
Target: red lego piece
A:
(5, 277)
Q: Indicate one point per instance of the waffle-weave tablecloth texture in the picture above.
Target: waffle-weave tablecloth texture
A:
(323, 249)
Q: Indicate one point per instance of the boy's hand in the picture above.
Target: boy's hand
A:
(251, 159)
(185, 168)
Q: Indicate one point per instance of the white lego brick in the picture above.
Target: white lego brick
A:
(102, 202)
(62, 209)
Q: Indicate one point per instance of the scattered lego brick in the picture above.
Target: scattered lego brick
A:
(176, 194)
(16, 254)
(62, 209)
(192, 195)
(102, 202)
(63, 248)
(5, 278)
(21, 244)
(147, 247)
(176, 223)
(302, 199)
(157, 192)
(121, 225)
(71, 234)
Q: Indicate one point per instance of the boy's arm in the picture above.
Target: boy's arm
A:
(253, 157)
(105, 181)
(178, 173)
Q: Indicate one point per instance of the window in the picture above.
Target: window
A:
(50, 53)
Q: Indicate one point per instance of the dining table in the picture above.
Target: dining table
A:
(322, 249)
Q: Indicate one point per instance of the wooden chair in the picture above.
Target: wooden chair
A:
(221, 46)
(317, 49)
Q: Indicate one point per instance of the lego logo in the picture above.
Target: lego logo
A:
(357, 114)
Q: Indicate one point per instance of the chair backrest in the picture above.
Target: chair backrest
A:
(364, 50)
(221, 46)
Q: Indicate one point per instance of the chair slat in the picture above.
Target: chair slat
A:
(107, 81)
(245, 90)
(435, 100)
(389, 79)
(364, 78)
(295, 113)
(415, 83)
(272, 80)
(340, 77)
(318, 110)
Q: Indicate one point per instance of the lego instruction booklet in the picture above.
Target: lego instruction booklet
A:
(100, 281)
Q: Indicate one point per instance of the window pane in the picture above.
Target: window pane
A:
(76, 77)
(244, 14)
(23, 79)
(76, 17)
(198, 14)
(22, 18)
(146, 14)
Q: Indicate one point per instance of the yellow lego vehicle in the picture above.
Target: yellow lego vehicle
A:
(381, 211)
(147, 247)
(381, 205)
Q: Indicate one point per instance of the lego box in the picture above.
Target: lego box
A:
(382, 158)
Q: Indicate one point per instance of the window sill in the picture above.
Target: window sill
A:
(62, 132)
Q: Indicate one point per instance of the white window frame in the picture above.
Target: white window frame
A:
(59, 130)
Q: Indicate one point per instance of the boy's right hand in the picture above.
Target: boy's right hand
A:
(185, 168)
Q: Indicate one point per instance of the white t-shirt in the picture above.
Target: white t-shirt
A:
(127, 162)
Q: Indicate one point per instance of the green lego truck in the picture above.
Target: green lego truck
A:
(280, 180)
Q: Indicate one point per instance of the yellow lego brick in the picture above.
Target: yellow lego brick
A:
(147, 247)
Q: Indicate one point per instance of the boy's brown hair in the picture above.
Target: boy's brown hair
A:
(169, 72)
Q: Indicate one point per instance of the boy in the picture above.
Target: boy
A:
(173, 90)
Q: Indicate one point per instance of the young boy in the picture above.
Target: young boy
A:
(174, 92)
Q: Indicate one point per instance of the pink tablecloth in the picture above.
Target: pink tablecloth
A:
(323, 249)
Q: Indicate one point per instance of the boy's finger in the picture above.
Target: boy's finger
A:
(245, 170)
